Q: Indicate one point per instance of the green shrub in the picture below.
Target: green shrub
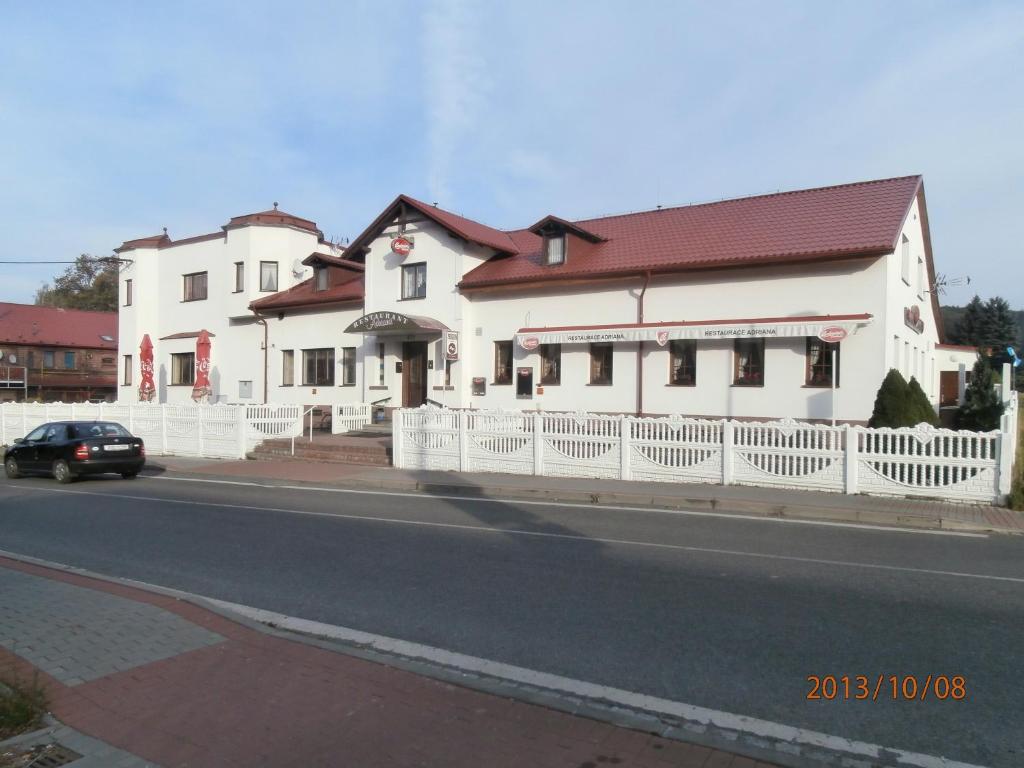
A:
(22, 706)
(982, 407)
(919, 408)
(891, 402)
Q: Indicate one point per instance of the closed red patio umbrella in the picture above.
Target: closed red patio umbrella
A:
(201, 389)
(147, 388)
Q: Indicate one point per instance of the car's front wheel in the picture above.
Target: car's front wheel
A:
(62, 472)
(129, 475)
(11, 468)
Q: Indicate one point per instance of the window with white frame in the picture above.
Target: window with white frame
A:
(348, 366)
(381, 349)
(321, 278)
(239, 276)
(194, 288)
(287, 367)
(551, 364)
(128, 293)
(601, 364)
(414, 281)
(905, 259)
(682, 363)
(554, 249)
(268, 276)
(318, 367)
(922, 279)
(127, 378)
(183, 368)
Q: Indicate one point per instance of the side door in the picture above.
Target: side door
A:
(52, 446)
(27, 452)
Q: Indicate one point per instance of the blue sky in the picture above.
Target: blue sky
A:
(117, 119)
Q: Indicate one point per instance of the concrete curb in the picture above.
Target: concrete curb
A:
(723, 506)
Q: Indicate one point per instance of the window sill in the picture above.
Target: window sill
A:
(444, 389)
(286, 385)
(378, 387)
(316, 385)
(818, 386)
(684, 386)
(189, 301)
(412, 298)
(599, 384)
(551, 383)
(501, 383)
(347, 385)
(268, 290)
(126, 385)
(238, 290)
(746, 386)
(182, 385)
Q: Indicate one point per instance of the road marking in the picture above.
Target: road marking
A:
(572, 505)
(542, 534)
(689, 713)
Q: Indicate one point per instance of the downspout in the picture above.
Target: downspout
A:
(640, 348)
(263, 321)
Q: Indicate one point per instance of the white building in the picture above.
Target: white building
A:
(705, 310)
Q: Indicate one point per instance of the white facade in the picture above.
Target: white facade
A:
(886, 287)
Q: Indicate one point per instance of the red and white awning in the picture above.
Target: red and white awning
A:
(830, 327)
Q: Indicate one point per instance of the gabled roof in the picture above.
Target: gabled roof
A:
(333, 261)
(465, 228)
(345, 286)
(153, 241)
(273, 218)
(55, 327)
(549, 222)
(849, 220)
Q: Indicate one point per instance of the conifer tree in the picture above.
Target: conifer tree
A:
(891, 401)
(982, 407)
(919, 408)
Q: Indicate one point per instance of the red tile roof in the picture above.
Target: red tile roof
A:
(187, 335)
(344, 286)
(863, 218)
(56, 327)
(273, 218)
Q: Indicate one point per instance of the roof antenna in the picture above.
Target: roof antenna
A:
(435, 203)
(165, 230)
(275, 205)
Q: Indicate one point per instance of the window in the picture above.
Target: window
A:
(69, 360)
(127, 378)
(48, 361)
(448, 372)
(245, 390)
(321, 273)
(268, 275)
(183, 368)
(348, 366)
(414, 281)
(554, 249)
(37, 434)
(922, 279)
(749, 362)
(127, 293)
(819, 363)
(905, 260)
(551, 364)
(239, 276)
(195, 286)
(503, 362)
(601, 364)
(318, 367)
(682, 363)
(380, 363)
(287, 367)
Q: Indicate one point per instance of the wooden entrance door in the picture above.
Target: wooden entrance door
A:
(949, 388)
(414, 373)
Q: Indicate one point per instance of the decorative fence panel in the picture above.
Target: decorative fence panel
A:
(212, 431)
(349, 417)
(922, 461)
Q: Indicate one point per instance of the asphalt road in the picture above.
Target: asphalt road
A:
(728, 614)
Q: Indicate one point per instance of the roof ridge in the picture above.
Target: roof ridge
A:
(762, 195)
(59, 309)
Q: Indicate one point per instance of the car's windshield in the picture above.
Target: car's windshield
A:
(100, 429)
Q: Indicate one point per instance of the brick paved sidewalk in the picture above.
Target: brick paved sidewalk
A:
(178, 685)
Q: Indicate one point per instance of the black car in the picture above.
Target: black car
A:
(67, 449)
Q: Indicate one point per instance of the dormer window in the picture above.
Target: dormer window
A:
(320, 276)
(554, 248)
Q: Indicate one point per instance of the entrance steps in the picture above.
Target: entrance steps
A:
(368, 448)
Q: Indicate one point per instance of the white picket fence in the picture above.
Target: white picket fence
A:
(349, 417)
(920, 461)
(211, 431)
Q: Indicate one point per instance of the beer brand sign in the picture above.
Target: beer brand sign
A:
(451, 345)
(833, 334)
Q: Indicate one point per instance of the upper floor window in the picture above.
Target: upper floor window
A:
(554, 249)
(69, 360)
(551, 364)
(127, 293)
(601, 364)
(683, 363)
(239, 276)
(268, 275)
(127, 379)
(503, 362)
(48, 359)
(414, 281)
(195, 286)
(320, 274)
(749, 363)
(183, 368)
(922, 279)
(905, 259)
(819, 362)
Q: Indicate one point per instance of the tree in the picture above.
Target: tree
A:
(968, 327)
(891, 402)
(998, 325)
(919, 407)
(982, 407)
(90, 283)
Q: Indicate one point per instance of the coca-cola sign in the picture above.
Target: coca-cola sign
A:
(832, 334)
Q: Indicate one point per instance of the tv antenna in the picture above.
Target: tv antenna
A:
(942, 282)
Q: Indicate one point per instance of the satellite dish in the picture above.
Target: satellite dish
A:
(298, 268)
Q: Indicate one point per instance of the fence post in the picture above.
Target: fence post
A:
(396, 438)
(463, 423)
(624, 471)
(727, 451)
(538, 444)
(131, 418)
(242, 425)
(163, 428)
(850, 458)
(1005, 441)
(24, 414)
(202, 417)
(72, 412)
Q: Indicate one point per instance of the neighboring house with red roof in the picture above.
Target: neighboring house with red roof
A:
(732, 308)
(53, 354)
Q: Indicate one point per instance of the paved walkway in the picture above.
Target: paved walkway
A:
(177, 685)
(768, 502)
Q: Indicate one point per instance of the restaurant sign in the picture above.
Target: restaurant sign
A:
(382, 321)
